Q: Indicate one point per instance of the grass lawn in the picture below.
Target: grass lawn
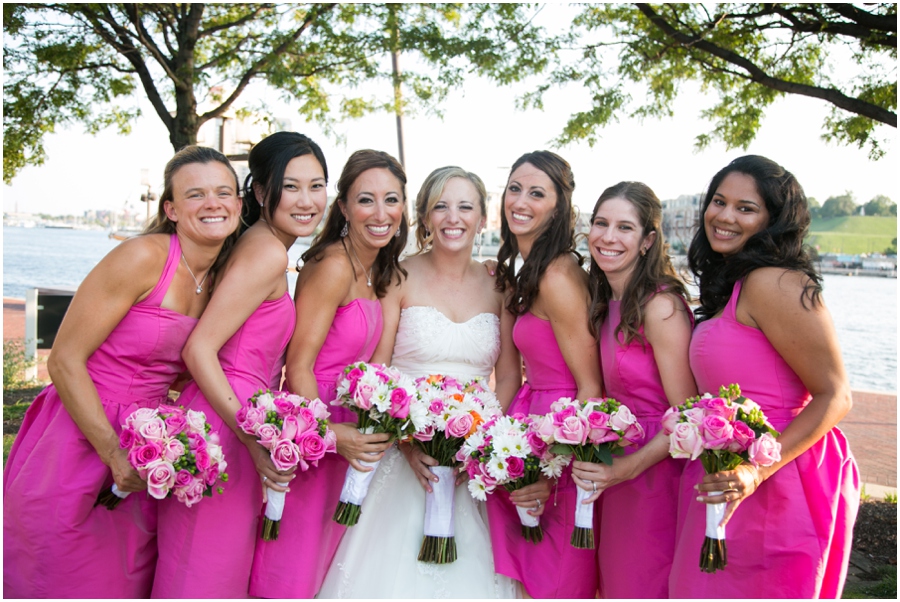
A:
(852, 235)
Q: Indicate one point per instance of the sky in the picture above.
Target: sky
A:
(483, 132)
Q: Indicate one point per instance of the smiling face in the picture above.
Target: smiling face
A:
(373, 208)
(204, 206)
(736, 212)
(456, 217)
(303, 199)
(616, 238)
(529, 201)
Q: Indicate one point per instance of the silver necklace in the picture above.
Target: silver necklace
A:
(369, 273)
(191, 272)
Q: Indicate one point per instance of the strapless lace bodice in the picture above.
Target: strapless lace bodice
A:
(428, 342)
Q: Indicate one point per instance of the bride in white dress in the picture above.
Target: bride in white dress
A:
(445, 318)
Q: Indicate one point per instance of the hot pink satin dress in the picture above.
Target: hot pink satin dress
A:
(637, 515)
(792, 537)
(294, 565)
(551, 568)
(56, 544)
(206, 551)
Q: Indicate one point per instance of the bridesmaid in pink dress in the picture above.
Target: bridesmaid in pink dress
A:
(117, 350)
(640, 312)
(237, 349)
(549, 294)
(349, 266)
(764, 325)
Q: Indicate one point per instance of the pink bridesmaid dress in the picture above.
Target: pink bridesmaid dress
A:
(56, 544)
(294, 565)
(637, 515)
(551, 568)
(792, 537)
(206, 551)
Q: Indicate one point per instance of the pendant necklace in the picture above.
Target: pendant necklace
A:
(191, 272)
(369, 273)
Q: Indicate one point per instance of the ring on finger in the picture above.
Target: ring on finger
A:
(538, 504)
(731, 485)
(265, 478)
(594, 483)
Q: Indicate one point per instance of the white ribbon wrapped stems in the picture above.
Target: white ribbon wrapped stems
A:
(439, 506)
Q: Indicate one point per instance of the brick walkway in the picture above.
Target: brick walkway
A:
(871, 426)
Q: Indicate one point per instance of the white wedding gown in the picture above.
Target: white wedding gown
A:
(377, 558)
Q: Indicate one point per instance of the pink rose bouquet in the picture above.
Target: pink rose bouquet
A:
(509, 451)
(593, 430)
(454, 411)
(385, 401)
(295, 431)
(175, 451)
(724, 432)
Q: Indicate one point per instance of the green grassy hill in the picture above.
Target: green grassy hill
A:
(852, 235)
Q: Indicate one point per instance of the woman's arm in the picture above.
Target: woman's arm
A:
(508, 369)
(253, 274)
(806, 339)
(391, 306)
(667, 326)
(320, 291)
(564, 299)
(126, 275)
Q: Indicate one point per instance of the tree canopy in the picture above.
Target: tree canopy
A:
(880, 205)
(748, 54)
(84, 63)
(839, 206)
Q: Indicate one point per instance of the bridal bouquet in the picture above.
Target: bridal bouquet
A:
(454, 411)
(724, 432)
(508, 451)
(385, 401)
(175, 451)
(295, 431)
(593, 430)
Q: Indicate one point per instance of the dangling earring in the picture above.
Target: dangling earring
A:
(345, 230)
(397, 233)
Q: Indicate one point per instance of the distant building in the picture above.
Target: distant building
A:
(680, 219)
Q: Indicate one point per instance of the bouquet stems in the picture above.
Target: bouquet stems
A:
(439, 543)
(713, 554)
(531, 526)
(356, 486)
(583, 533)
(274, 512)
(110, 498)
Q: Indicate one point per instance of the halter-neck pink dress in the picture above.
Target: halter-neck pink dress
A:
(206, 551)
(552, 568)
(56, 544)
(791, 538)
(638, 514)
(294, 565)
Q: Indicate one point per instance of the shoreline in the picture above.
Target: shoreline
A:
(871, 425)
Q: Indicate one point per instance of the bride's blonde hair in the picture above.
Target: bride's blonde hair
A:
(430, 194)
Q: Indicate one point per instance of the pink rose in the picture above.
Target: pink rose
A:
(544, 427)
(196, 441)
(169, 408)
(267, 434)
(285, 454)
(175, 423)
(459, 425)
(212, 475)
(196, 421)
(743, 437)
(670, 419)
(537, 444)
(515, 466)
(183, 478)
(249, 418)
(425, 435)
(353, 377)
(137, 418)
(160, 478)
(330, 441)
(765, 451)
(153, 430)
(560, 417)
(634, 434)
(694, 415)
(685, 441)
(312, 447)
(621, 419)
(720, 407)
(436, 407)
(290, 428)
(319, 409)
(716, 432)
(142, 456)
(362, 397)
(285, 405)
(127, 438)
(173, 450)
(192, 493)
(599, 428)
(560, 404)
(573, 430)
(306, 421)
(399, 404)
(201, 459)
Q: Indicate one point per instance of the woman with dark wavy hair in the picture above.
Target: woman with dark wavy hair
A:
(348, 268)
(237, 349)
(640, 314)
(763, 325)
(549, 295)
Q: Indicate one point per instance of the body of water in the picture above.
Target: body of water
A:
(864, 308)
